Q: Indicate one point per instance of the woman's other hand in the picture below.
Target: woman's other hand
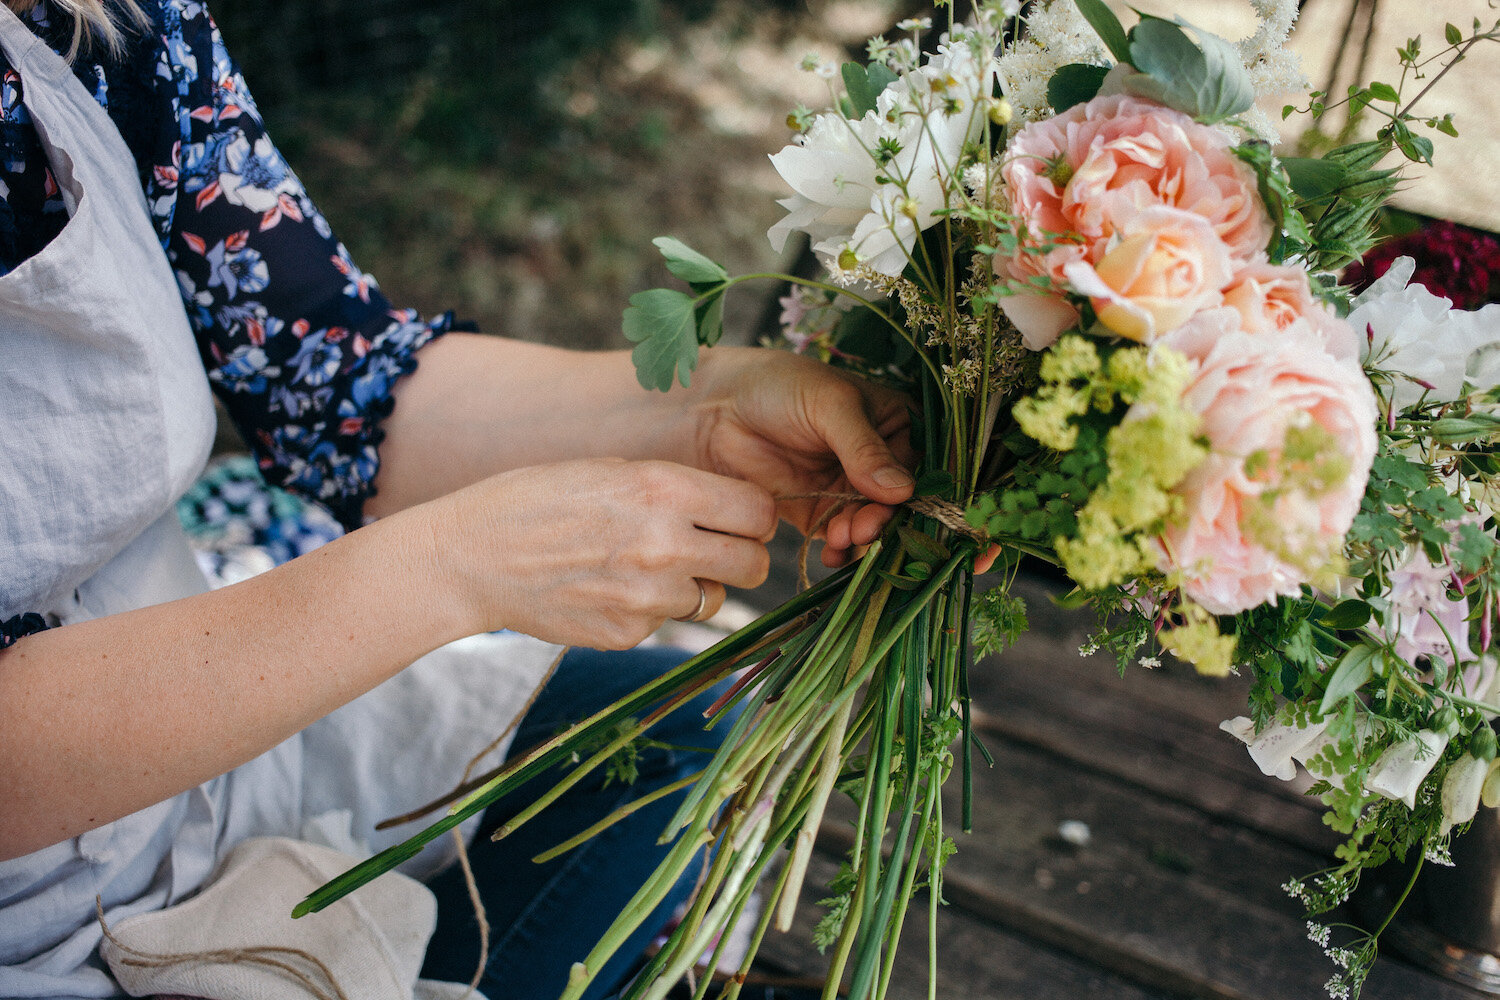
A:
(600, 552)
(795, 427)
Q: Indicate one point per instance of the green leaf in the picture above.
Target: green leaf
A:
(923, 546)
(661, 323)
(899, 582)
(1108, 27)
(1313, 179)
(1354, 668)
(864, 86)
(1383, 92)
(711, 320)
(1206, 80)
(1452, 34)
(688, 264)
(1416, 148)
(1074, 84)
(1349, 614)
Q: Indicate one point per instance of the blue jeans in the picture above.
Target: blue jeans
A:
(546, 917)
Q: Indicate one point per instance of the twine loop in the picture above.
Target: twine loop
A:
(945, 512)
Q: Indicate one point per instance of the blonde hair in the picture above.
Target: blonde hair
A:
(93, 20)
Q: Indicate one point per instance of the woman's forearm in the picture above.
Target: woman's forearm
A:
(102, 718)
(477, 405)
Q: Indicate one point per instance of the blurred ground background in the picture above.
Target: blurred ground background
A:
(513, 159)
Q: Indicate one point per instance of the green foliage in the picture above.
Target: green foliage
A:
(864, 86)
(1349, 675)
(999, 620)
(1074, 84)
(827, 932)
(1206, 80)
(669, 326)
(662, 323)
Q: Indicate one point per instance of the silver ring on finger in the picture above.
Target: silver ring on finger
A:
(702, 604)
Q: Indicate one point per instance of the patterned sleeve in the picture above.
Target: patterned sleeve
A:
(300, 345)
(13, 629)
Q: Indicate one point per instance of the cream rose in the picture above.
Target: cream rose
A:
(1163, 266)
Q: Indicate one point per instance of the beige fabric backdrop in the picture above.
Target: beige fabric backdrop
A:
(1464, 186)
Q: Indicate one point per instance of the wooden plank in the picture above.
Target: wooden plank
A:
(1154, 728)
(976, 960)
(1163, 895)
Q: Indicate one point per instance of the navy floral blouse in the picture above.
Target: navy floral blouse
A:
(299, 344)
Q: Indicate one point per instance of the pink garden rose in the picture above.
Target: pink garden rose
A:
(1090, 171)
(1272, 297)
(1260, 517)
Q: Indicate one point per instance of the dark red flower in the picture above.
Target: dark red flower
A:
(1456, 262)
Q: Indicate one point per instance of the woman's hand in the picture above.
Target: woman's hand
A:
(795, 426)
(599, 552)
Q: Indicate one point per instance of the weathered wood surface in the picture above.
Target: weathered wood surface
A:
(1177, 892)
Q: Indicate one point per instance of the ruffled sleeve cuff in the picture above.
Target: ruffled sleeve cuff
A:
(335, 460)
(14, 629)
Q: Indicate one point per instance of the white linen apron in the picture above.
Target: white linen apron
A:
(107, 417)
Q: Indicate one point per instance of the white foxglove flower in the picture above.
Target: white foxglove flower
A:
(920, 126)
(1417, 334)
(1461, 789)
(1279, 747)
(1401, 770)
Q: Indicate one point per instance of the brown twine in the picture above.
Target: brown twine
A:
(267, 956)
(471, 884)
(945, 512)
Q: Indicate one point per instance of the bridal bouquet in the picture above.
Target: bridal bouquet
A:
(1117, 312)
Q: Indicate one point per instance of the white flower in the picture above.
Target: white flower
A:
(1272, 68)
(1423, 619)
(920, 126)
(1056, 35)
(1279, 747)
(1461, 789)
(1418, 335)
(1401, 770)
(255, 176)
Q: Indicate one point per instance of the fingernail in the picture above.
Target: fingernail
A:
(892, 477)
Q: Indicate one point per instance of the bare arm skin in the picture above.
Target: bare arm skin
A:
(521, 487)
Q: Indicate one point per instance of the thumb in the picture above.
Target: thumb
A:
(869, 464)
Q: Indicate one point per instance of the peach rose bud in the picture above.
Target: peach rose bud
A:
(1164, 267)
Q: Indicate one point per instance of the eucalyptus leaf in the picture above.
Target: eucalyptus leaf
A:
(1107, 26)
(662, 324)
(1354, 668)
(688, 264)
(1074, 84)
(1205, 80)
